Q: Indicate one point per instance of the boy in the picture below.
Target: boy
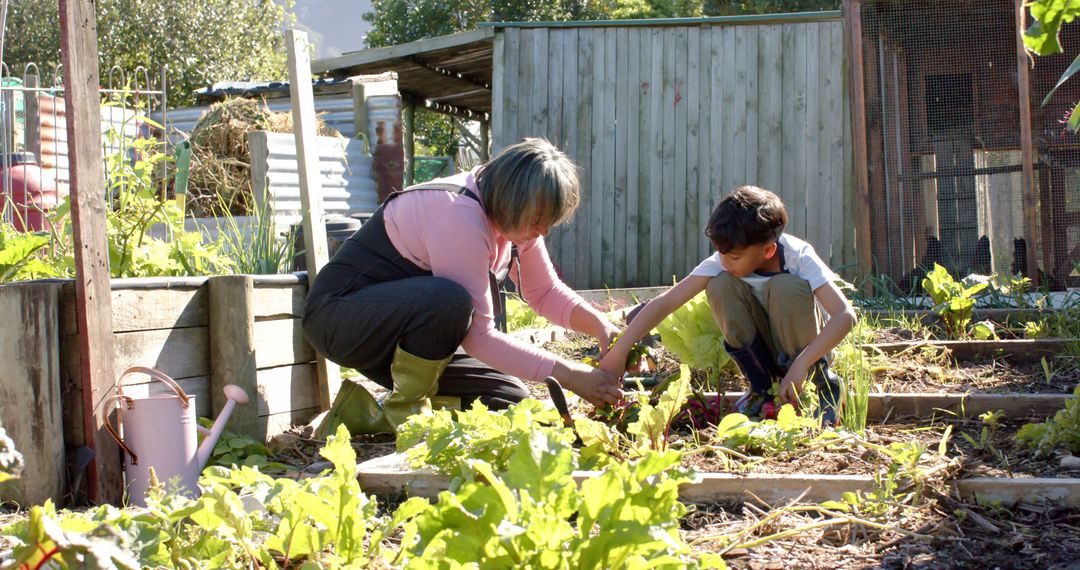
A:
(762, 285)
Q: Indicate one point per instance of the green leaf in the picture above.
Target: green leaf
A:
(1072, 69)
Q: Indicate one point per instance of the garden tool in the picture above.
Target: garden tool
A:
(160, 433)
(558, 397)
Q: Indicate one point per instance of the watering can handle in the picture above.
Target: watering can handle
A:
(112, 431)
(157, 375)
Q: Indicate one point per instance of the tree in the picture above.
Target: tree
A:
(201, 41)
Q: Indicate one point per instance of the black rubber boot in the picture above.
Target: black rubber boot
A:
(757, 364)
(830, 392)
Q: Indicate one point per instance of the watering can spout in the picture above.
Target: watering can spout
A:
(235, 395)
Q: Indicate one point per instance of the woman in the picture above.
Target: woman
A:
(416, 282)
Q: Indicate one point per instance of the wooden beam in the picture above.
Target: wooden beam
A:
(409, 118)
(79, 53)
(1035, 490)
(307, 155)
(485, 140)
(341, 65)
(1030, 198)
(857, 100)
(1019, 350)
(459, 77)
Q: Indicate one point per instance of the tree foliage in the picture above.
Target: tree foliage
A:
(201, 41)
(1041, 37)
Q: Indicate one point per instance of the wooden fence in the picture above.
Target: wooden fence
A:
(665, 119)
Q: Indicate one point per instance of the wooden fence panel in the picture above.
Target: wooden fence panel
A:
(664, 120)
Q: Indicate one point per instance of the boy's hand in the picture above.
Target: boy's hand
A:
(606, 336)
(791, 385)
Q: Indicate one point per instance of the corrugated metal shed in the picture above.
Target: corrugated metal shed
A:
(345, 167)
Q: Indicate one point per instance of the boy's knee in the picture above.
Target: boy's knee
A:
(723, 286)
(789, 289)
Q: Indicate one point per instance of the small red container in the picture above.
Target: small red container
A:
(31, 196)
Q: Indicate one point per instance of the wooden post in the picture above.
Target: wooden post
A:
(857, 99)
(1030, 200)
(32, 117)
(93, 299)
(485, 141)
(307, 156)
(232, 350)
(410, 140)
(33, 418)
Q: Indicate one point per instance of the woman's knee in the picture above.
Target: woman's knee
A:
(452, 304)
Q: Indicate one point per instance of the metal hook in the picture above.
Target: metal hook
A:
(123, 76)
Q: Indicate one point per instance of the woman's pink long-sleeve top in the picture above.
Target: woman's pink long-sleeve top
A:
(450, 235)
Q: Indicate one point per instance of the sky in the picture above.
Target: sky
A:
(335, 26)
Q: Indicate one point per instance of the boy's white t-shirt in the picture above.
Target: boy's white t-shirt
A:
(797, 257)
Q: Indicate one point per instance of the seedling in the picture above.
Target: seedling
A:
(953, 300)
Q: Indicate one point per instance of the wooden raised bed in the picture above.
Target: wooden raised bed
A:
(1018, 350)
(205, 332)
(391, 474)
(882, 407)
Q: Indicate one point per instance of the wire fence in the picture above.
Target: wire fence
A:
(945, 85)
(33, 133)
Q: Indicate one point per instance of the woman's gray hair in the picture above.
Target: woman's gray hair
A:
(531, 181)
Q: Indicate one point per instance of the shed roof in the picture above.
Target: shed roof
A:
(452, 71)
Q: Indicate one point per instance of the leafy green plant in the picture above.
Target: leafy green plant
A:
(767, 437)
(519, 315)
(953, 301)
(649, 428)
(852, 364)
(19, 255)
(691, 333)
(1063, 429)
(233, 449)
(991, 421)
(445, 440)
(258, 250)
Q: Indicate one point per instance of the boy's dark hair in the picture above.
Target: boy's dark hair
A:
(748, 216)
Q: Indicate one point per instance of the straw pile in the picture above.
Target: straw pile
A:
(220, 175)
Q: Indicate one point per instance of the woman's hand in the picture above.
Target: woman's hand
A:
(606, 334)
(594, 384)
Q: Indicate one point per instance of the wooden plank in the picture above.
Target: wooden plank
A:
(798, 91)
(525, 95)
(554, 128)
(770, 115)
(857, 100)
(583, 220)
(633, 167)
(569, 110)
(82, 106)
(232, 349)
(307, 158)
(679, 190)
(645, 173)
(728, 113)
(1035, 490)
(623, 87)
(280, 343)
(599, 165)
(173, 308)
(607, 228)
(900, 406)
(667, 125)
(749, 55)
(1022, 350)
(656, 159)
(287, 388)
(692, 104)
(391, 474)
(624, 295)
(33, 416)
(705, 152)
(510, 133)
(830, 210)
(1030, 198)
(845, 214)
(540, 80)
(739, 175)
(270, 302)
(180, 353)
(357, 58)
(498, 91)
(815, 152)
(717, 126)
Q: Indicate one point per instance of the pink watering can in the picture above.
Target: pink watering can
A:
(160, 432)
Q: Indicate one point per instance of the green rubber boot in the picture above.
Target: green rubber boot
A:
(357, 409)
(416, 380)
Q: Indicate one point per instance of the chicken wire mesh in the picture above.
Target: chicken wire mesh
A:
(943, 92)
